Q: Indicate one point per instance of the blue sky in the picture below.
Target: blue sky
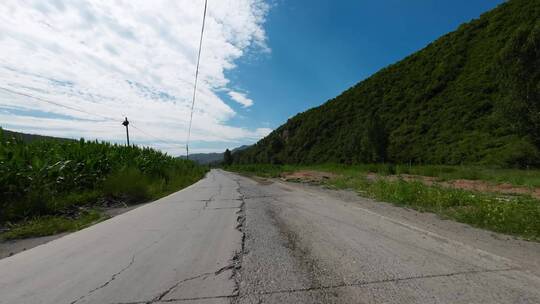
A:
(76, 68)
(321, 48)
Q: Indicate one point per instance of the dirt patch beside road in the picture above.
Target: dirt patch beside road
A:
(464, 184)
(318, 177)
(308, 176)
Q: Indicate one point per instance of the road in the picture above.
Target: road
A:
(231, 239)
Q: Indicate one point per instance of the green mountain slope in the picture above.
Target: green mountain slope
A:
(472, 96)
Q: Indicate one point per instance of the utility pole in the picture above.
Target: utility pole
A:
(126, 124)
(187, 152)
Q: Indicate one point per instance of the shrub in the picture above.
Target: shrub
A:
(129, 184)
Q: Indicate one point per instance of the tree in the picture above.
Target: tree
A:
(374, 141)
(520, 105)
(227, 157)
(520, 76)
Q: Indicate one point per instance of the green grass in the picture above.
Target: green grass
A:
(73, 200)
(49, 225)
(515, 215)
(129, 183)
(133, 186)
(517, 177)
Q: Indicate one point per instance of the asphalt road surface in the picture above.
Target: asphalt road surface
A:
(230, 239)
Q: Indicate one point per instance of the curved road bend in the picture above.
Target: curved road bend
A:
(230, 239)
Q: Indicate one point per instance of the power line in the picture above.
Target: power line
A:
(85, 112)
(196, 78)
(57, 104)
(113, 119)
(155, 137)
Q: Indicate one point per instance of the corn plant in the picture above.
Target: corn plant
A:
(34, 174)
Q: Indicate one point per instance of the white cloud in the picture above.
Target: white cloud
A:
(241, 98)
(125, 58)
(262, 132)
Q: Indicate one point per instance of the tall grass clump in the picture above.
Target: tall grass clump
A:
(129, 183)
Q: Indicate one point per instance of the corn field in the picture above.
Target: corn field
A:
(35, 176)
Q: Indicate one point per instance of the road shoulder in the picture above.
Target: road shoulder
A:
(526, 253)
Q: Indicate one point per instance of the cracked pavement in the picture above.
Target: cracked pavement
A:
(231, 239)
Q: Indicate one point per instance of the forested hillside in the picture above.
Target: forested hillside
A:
(472, 96)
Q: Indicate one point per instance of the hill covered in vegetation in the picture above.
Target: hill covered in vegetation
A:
(472, 96)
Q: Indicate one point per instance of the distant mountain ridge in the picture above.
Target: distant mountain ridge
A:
(31, 137)
(211, 158)
(472, 96)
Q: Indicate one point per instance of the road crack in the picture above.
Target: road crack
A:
(239, 255)
(234, 266)
(319, 288)
(182, 299)
(113, 277)
(393, 280)
(306, 261)
(211, 199)
(159, 298)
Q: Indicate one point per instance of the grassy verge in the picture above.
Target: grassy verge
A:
(49, 225)
(516, 177)
(516, 215)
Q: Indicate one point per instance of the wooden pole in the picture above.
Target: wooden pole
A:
(126, 124)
